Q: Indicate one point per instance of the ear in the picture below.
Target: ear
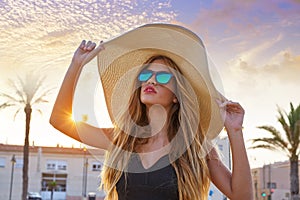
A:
(175, 100)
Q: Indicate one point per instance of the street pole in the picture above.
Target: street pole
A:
(13, 161)
(264, 178)
(84, 174)
(270, 183)
(85, 163)
(85, 181)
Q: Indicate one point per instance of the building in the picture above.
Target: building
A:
(272, 179)
(223, 147)
(72, 172)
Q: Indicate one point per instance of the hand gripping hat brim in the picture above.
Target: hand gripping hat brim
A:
(119, 64)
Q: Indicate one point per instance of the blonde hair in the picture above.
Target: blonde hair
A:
(188, 160)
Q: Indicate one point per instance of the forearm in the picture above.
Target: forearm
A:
(241, 183)
(63, 106)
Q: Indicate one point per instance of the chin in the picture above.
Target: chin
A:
(147, 102)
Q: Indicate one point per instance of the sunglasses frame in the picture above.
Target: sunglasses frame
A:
(156, 73)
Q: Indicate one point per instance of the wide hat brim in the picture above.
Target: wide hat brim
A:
(120, 62)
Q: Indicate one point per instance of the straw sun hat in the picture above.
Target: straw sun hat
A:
(123, 56)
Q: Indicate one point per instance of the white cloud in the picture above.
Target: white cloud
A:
(283, 66)
(42, 35)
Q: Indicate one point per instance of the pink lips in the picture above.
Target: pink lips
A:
(149, 89)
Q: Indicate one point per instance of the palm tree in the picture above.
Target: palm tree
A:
(25, 95)
(52, 186)
(288, 143)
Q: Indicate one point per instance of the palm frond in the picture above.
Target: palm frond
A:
(36, 87)
(285, 126)
(263, 146)
(24, 91)
(271, 147)
(273, 142)
(27, 87)
(40, 98)
(298, 151)
(293, 116)
(6, 105)
(276, 135)
(16, 87)
(294, 119)
(271, 129)
(39, 111)
(16, 113)
(11, 98)
(11, 104)
(288, 142)
(297, 136)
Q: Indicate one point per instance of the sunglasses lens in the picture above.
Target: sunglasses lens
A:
(163, 78)
(145, 76)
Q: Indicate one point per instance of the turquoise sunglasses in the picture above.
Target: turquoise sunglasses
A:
(161, 77)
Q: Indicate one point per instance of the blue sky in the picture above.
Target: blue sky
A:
(254, 46)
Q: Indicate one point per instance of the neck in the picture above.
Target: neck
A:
(155, 144)
(158, 116)
(160, 138)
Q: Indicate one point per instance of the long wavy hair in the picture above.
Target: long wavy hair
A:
(187, 154)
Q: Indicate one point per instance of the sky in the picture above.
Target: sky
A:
(253, 47)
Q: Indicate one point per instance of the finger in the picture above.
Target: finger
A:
(82, 44)
(222, 104)
(91, 46)
(231, 104)
(101, 46)
(234, 107)
(89, 43)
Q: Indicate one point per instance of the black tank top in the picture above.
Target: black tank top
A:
(159, 182)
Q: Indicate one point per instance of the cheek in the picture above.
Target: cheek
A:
(171, 89)
(168, 94)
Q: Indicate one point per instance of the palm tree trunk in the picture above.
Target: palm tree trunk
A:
(27, 111)
(51, 198)
(294, 178)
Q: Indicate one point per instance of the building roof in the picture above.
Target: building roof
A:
(52, 150)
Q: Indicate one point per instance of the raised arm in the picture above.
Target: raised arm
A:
(61, 117)
(238, 184)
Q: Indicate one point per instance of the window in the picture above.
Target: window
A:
(51, 166)
(220, 146)
(56, 165)
(254, 173)
(272, 184)
(96, 166)
(19, 163)
(2, 162)
(62, 166)
(60, 181)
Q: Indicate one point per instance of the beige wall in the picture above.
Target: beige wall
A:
(38, 165)
(278, 173)
(5, 180)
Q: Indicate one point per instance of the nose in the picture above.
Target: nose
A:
(152, 80)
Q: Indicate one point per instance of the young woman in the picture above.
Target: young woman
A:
(159, 147)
